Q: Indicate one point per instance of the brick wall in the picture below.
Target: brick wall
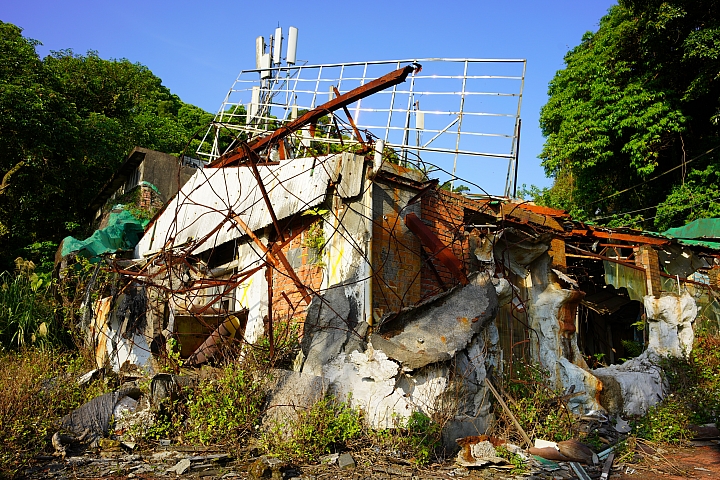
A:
(444, 213)
(405, 272)
(306, 265)
(396, 258)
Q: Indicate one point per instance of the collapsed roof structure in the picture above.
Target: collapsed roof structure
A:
(406, 296)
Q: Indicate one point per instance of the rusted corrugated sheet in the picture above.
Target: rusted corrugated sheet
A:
(213, 196)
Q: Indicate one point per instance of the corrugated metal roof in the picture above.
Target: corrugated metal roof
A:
(701, 228)
(211, 195)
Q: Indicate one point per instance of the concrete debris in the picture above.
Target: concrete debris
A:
(476, 451)
(291, 393)
(181, 467)
(458, 315)
(346, 461)
(266, 467)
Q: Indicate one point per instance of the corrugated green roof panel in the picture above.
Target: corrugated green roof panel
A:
(701, 228)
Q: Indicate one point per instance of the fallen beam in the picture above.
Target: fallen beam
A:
(439, 250)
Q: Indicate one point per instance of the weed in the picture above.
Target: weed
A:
(694, 398)
(666, 422)
(37, 388)
(226, 408)
(418, 438)
(513, 458)
(27, 311)
(535, 405)
(286, 337)
(325, 427)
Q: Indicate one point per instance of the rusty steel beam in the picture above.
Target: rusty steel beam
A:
(270, 333)
(639, 239)
(226, 330)
(436, 246)
(253, 164)
(391, 79)
(350, 119)
(275, 254)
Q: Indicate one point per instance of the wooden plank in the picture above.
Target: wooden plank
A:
(516, 211)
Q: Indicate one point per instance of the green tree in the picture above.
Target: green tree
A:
(66, 123)
(637, 98)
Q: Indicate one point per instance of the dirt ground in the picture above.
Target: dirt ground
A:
(670, 463)
(702, 461)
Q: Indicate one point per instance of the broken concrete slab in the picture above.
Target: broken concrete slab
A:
(291, 393)
(331, 327)
(411, 336)
(638, 384)
(631, 388)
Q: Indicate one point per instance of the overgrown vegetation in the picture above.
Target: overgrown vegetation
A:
(26, 315)
(637, 99)
(226, 408)
(68, 122)
(537, 407)
(328, 426)
(37, 387)
(694, 397)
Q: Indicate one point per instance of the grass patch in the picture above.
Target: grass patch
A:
(326, 427)
(37, 388)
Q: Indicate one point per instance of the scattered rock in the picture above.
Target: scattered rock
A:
(181, 467)
(266, 467)
(346, 461)
(77, 461)
(330, 459)
(478, 453)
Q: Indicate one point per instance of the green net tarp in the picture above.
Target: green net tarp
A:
(123, 232)
(701, 228)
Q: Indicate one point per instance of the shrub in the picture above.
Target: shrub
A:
(325, 427)
(694, 392)
(666, 422)
(536, 406)
(27, 313)
(226, 408)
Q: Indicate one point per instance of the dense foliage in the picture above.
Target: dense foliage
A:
(66, 123)
(632, 116)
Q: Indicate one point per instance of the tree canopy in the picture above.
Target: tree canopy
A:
(66, 123)
(632, 121)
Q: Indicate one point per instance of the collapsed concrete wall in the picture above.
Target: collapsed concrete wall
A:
(553, 336)
(638, 384)
(430, 358)
(358, 334)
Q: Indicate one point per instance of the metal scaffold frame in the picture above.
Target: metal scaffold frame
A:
(449, 111)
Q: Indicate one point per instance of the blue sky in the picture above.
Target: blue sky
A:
(198, 48)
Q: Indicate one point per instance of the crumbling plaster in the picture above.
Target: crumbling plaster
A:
(638, 384)
(553, 338)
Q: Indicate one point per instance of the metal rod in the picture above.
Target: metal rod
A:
(517, 158)
(271, 338)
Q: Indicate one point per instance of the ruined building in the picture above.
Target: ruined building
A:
(406, 296)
